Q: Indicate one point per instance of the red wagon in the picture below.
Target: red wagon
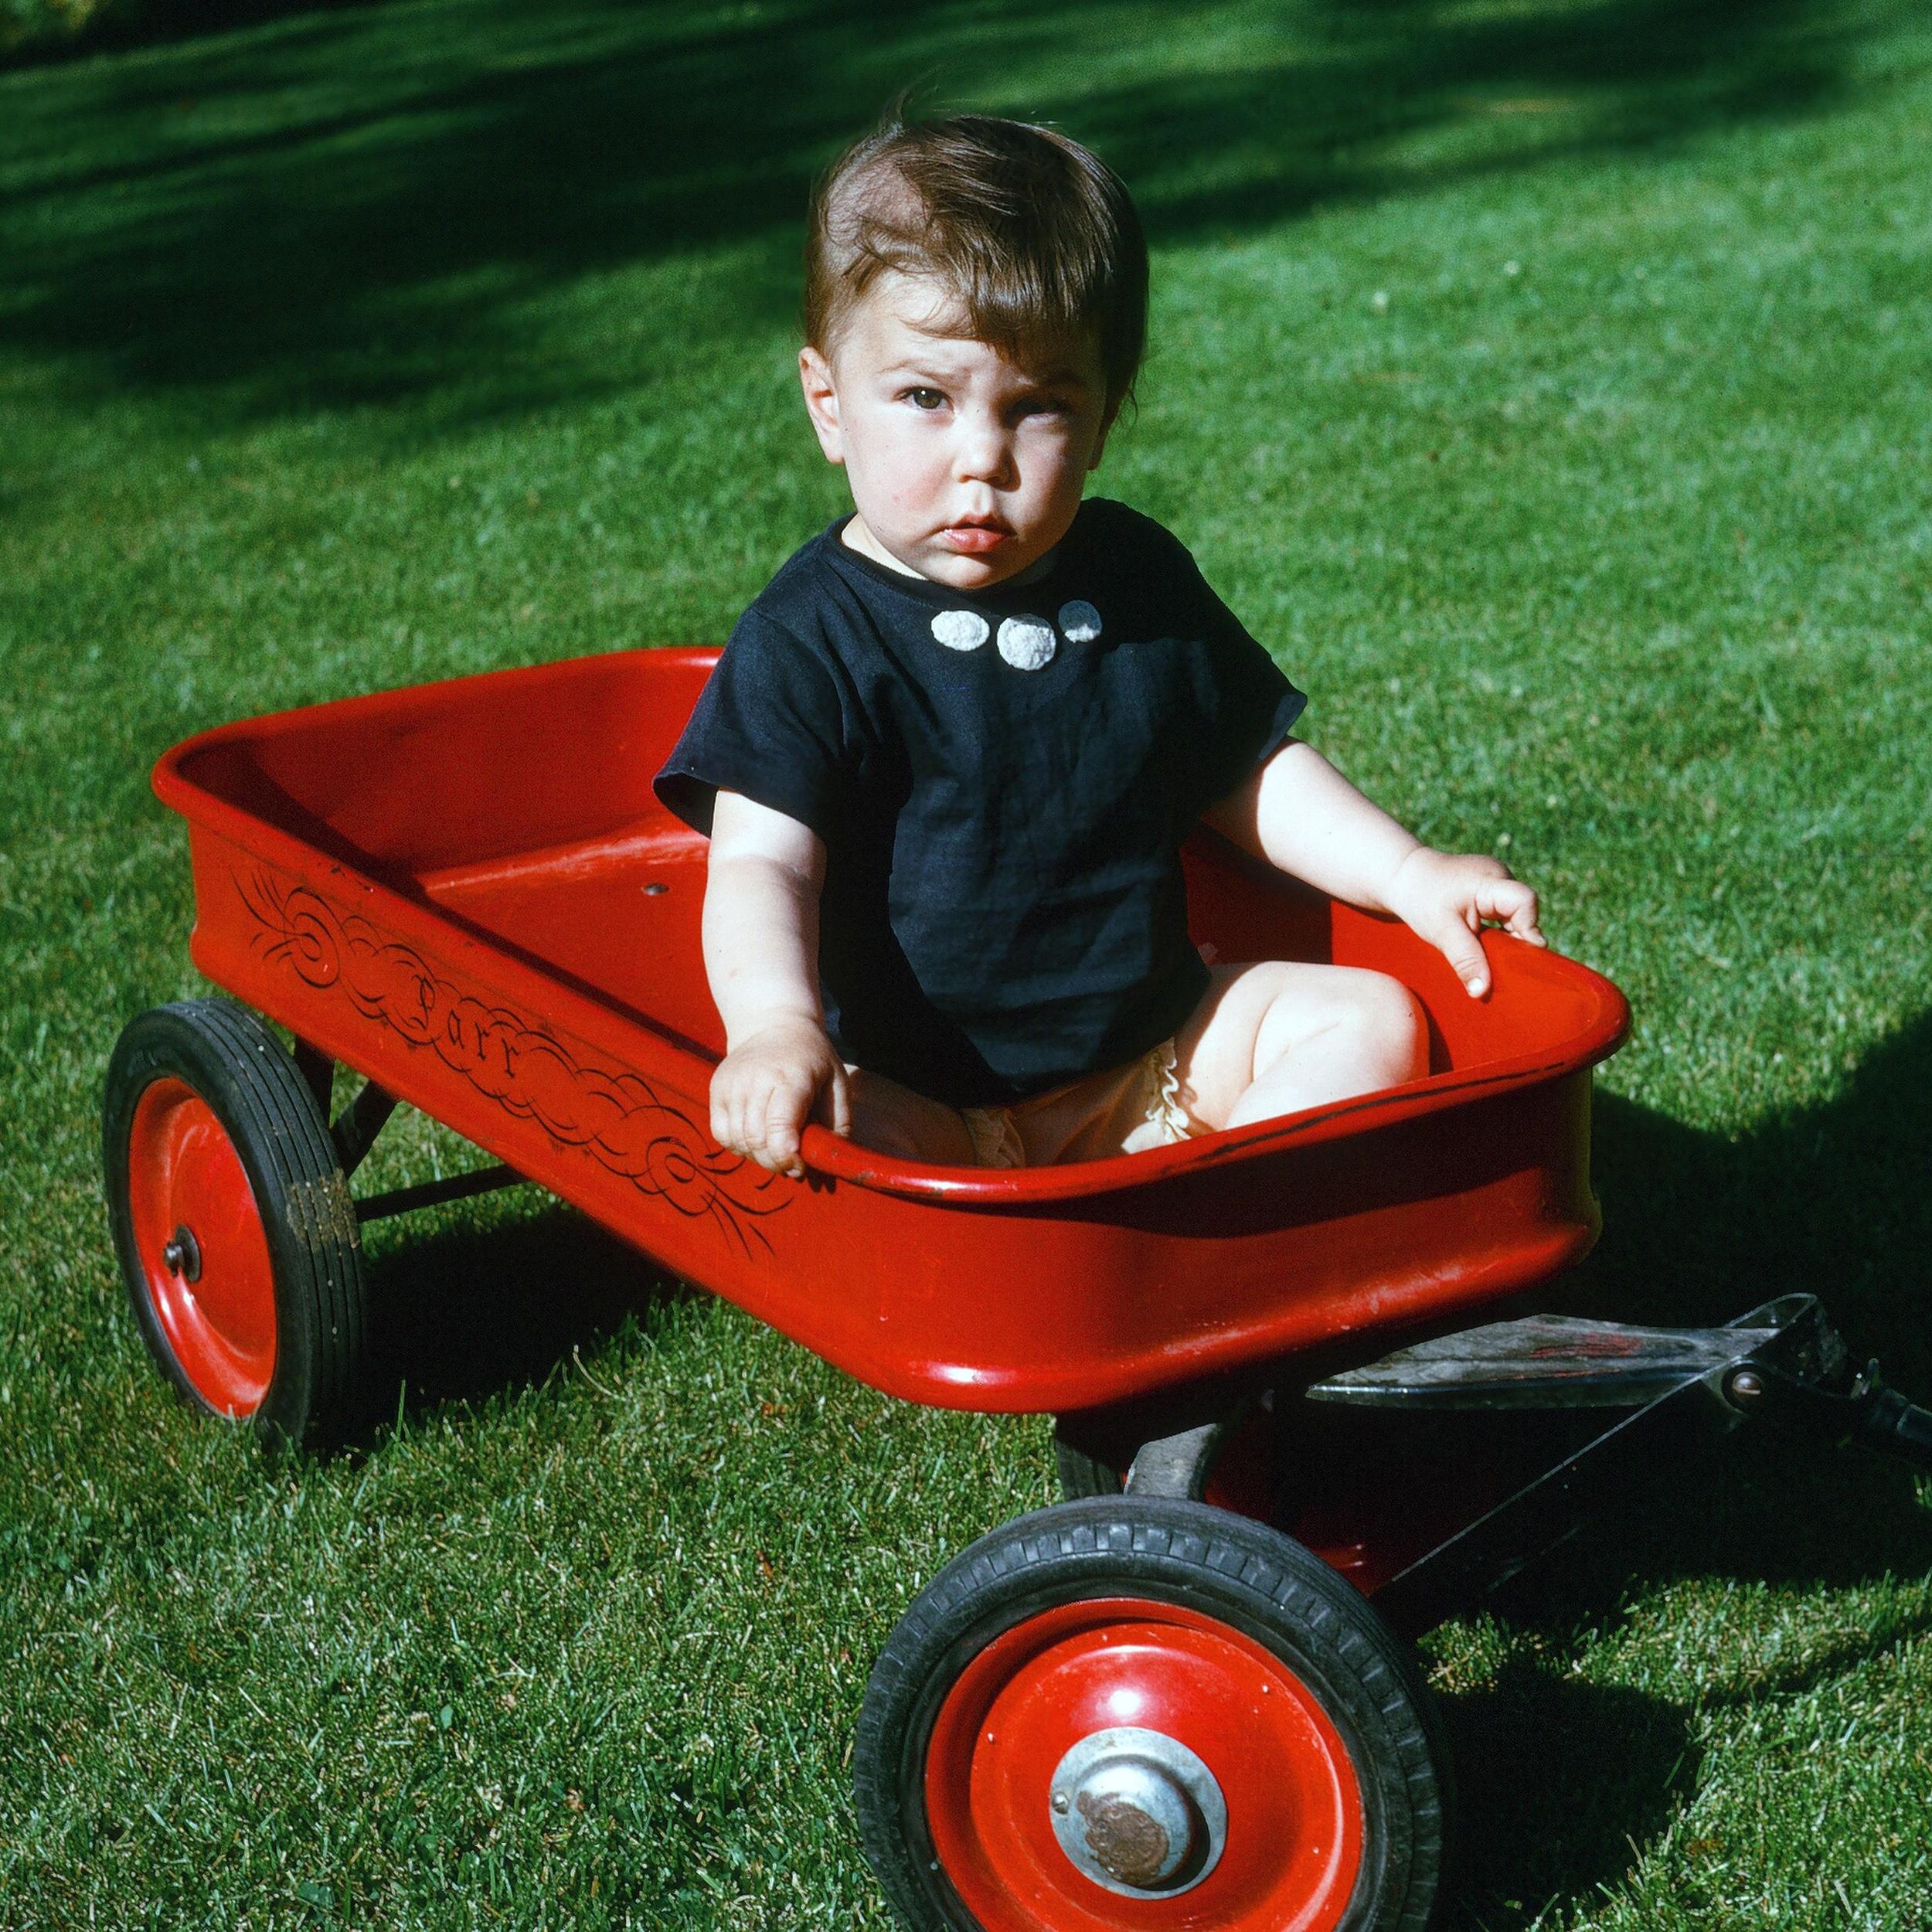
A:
(1151, 1707)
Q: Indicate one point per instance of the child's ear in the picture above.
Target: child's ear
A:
(821, 403)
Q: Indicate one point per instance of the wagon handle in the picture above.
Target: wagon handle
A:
(1869, 1410)
(1892, 1425)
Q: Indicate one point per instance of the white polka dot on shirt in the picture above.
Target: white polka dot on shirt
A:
(960, 630)
(1027, 643)
(1080, 621)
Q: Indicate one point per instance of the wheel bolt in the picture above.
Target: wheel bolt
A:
(182, 1254)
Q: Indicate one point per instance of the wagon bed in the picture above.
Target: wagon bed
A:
(469, 892)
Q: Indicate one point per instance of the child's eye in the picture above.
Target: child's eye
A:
(926, 399)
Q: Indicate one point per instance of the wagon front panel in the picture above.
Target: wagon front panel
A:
(1078, 1303)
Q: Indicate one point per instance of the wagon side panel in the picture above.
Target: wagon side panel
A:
(1003, 1305)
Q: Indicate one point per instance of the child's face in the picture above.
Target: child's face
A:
(965, 468)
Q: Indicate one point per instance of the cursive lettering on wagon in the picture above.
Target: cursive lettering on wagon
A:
(619, 1120)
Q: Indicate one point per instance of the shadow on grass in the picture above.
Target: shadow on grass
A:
(1564, 1784)
(1555, 1777)
(463, 1315)
(1830, 1199)
(1699, 1228)
(359, 204)
(121, 24)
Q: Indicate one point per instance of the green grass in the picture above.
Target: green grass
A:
(1544, 380)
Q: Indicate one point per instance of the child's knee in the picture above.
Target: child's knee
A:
(1388, 1021)
(1370, 1018)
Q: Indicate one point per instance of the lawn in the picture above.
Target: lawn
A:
(1544, 380)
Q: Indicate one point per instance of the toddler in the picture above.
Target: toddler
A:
(950, 756)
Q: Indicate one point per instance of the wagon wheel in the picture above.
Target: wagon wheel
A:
(236, 1232)
(1138, 1713)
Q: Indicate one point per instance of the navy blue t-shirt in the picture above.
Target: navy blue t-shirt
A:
(1002, 781)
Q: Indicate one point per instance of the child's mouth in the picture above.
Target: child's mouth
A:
(976, 539)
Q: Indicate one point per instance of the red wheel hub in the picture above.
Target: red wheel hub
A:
(1293, 1833)
(201, 1247)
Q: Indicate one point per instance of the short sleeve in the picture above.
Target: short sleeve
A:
(1247, 706)
(770, 724)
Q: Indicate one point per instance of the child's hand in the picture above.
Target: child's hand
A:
(768, 1087)
(1447, 898)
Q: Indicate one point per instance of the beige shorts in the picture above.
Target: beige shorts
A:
(1126, 1110)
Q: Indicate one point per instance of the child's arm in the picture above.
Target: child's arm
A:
(1299, 813)
(761, 955)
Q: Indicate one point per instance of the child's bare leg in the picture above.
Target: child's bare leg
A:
(892, 1119)
(1272, 1038)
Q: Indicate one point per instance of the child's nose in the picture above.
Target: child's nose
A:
(986, 452)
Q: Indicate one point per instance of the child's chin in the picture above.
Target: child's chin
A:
(959, 573)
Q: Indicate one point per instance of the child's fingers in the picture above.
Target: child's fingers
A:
(738, 1110)
(786, 1110)
(839, 1097)
(780, 1149)
(743, 1140)
(1513, 905)
(1464, 951)
(725, 1115)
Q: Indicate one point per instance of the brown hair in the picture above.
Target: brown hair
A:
(1033, 236)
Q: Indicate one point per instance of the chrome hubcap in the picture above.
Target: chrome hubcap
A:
(1137, 1812)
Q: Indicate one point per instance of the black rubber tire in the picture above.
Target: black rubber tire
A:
(1254, 1579)
(318, 1390)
